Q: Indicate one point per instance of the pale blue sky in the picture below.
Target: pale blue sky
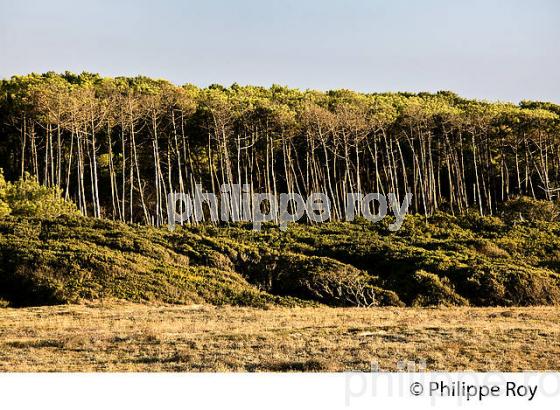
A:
(492, 49)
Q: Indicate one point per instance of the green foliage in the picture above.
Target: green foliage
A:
(4, 206)
(68, 259)
(27, 197)
(435, 290)
(447, 260)
(529, 209)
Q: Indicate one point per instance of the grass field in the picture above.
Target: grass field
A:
(133, 337)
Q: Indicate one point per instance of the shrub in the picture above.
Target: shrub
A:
(27, 197)
(433, 290)
(4, 207)
(524, 208)
(321, 279)
(443, 260)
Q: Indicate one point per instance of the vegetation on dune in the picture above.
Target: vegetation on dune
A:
(446, 260)
(482, 261)
(50, 261)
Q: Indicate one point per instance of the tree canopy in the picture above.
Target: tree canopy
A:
(118, 146)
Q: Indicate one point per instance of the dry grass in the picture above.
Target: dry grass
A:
(127, 337)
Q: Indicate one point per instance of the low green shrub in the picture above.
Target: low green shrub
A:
(445, 260)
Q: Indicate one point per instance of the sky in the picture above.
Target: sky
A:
(506, 50)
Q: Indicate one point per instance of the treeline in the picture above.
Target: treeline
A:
(118, 146)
